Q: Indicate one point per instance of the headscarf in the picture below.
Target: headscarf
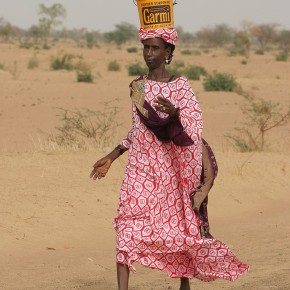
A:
(168, 35)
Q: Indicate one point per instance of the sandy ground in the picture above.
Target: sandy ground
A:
(56, 224)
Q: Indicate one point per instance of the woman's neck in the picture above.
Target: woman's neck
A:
(159, 75)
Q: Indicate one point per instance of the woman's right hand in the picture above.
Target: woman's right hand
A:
(101, 167)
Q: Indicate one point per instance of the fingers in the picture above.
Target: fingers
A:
(162, 101)
(161, 105)
(162, 109)
(165, 106)
(95, 174)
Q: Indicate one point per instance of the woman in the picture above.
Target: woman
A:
(156, 224)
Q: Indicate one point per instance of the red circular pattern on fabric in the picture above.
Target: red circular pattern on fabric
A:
(156, 225)
(169, 35)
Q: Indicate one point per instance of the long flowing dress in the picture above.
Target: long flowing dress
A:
(155, 224)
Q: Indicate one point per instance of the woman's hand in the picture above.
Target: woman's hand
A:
(101, 168)
(165, 106)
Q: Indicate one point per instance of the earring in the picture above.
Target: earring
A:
(167, 61)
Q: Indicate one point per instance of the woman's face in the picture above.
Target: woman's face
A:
(155, 53)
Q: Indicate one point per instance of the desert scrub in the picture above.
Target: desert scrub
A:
(114, 66)
(259, 52)
(137, 69)
(14, 70)
(176, 68)
(196, 52)
(26, 44)
(84, 73)
(46, 46)
(220, 82)
(85, 129)
(178, 64)
(282, 56)
(261, 116)
(132, 49)
(32, 62)
(2, 66)
(232, 53)
(91, 40)
(63, 62)
(186, 52)
(193, 72)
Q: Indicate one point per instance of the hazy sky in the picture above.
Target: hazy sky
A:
(192, 15)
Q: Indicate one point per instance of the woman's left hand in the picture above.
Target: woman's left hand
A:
(165, 106)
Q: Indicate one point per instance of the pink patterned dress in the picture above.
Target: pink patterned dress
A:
(156, 225)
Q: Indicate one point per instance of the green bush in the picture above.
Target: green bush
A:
(113, 66)
(282, 56)
(46, 46)
(196, 52)
(186, 52)
(90, 39)
(259, 52)
(137, 69)
(133, 49)
(193, 72)
(178, 63)
(232, 52)
(26, 44)
(220, 82)
(176, 67)
(244, 62)
(85, 76)
(32, 63)
(2, 66)
(84, 73)
(62, 62)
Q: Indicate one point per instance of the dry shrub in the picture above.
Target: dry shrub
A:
(282, 56)
(14, 70)
(137, 69)
(194, 72)
(33, 62)
(114, 66)
(132, 49)
(85, 129)
(262, 116)
(220, 82)
(84, 73)
(63, 62)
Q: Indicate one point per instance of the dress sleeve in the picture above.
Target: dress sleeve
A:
(127, 140)
(190, 112)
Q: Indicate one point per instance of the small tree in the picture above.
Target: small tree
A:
(50, 17)
(284, 40)
(183, 36)
(218, 36)
(262, 116)
(264, 34)
(6, 29)
(242, 42)
(123, 33)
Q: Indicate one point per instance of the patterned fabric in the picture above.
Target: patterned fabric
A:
(169, 35)
(199, 197)
(165, 129)
(156, 225)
